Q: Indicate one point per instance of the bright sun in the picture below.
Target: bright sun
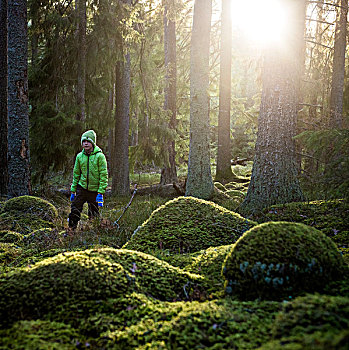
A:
(261, 21)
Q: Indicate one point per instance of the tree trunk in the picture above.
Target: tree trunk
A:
(274, 174)
(18, 120)
(223, 171)
(199, 181)
(337, 88)
(169, 172)
(81, 60)
(121, 179)
(3, 99)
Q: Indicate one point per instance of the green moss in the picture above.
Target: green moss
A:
(312, 322)
(331, 217)
(209, 264)
(7, 236)
(220, 324)
(188, 224)
(31, 205)
(236, 193)
(220, 186)
(40, 334)
(29, 293)
(280, 259)
(153, 277)
(23, 224)
(8, 253)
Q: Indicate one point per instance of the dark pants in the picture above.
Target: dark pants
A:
(83, 196)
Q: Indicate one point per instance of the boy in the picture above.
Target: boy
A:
(90, 179)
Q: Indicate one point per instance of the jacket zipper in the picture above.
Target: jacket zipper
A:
(88, 169)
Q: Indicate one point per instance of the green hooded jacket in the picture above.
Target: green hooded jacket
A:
(90, 170)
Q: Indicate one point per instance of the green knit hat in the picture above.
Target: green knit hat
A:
(89, 135)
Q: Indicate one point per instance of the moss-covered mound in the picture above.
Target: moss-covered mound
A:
(209, 264)
(30, 205)
(312, 322)
(220, 324)
(30, 293)
(44, 335)
(280, 259)
(188, 224)
(331, 217)
(8, 253)
(7, 236)
(153, 277)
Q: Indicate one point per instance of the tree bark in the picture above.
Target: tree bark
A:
(274, 174)
(81, 61)
(18, 120)
(169, 172)
(199, 181)
(3, 99)
(223, 171)
(337, 86)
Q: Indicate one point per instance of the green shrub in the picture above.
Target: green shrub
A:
(220, 186)
(44, 335)
(7, 236)
(29, 293)
(280, 259)
(188, 224)
(24, 205)
(331, 217)
(312, 322)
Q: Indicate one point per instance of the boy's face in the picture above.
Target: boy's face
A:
(87, 146)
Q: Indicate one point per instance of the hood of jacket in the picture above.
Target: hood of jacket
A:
(89, 135)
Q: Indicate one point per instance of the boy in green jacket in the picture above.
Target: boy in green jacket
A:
(90, 179)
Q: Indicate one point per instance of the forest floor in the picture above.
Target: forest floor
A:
(153, 279)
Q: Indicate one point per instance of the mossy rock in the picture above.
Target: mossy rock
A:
(219, 324)
(280, 259)
(188, 224)
(331, 217)
(30, 293)
(44, 238)
(219, 186)
(209, 264)
(24, 205)
(8, 253)
(23, 224)
(236, 193)
(7, 236)
(152, 276)
(312, 322)
(39, 334)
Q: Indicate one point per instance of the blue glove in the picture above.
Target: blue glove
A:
(72, 196)
(99, 199)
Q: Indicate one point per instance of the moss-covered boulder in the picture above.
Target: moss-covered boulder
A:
(208, 263)
(152, 276)
(280, 259)
(188, 224)
(331, 217)
(44, 335)
(30, 293)
(218, 324)
(8, 253)
(7, 236)
(24, 205)
(312, 322)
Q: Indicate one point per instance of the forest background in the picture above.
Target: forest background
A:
(122, 68)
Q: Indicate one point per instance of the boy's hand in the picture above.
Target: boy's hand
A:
(99, 199)
(72, 196)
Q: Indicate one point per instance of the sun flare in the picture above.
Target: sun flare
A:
(263, 22)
